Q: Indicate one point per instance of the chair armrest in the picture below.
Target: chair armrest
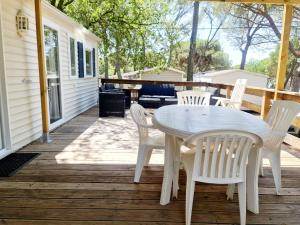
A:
(220, 98)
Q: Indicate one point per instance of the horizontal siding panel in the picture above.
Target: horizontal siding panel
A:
(16, 87)
(25, 101)
(21, 124)
(77, 110)
(16, 110)
(25, 114)
(23, 140)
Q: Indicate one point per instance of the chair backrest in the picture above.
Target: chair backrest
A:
(238, 92)
(194, 98)
(138, 114)
(221, 156)
(282, 114)
(158, 89)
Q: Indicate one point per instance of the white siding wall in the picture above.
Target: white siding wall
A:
(22, 79)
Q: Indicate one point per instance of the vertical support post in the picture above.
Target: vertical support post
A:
(284, 48)
(265, 105)
(42, 70)
(228, 91)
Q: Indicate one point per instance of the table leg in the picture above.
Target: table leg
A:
(177, 160)
(252, 181)
(168, 170)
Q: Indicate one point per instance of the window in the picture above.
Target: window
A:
(73, 67)
(88, 62)
(51, 52)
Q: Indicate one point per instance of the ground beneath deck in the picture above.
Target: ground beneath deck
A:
(85, 176)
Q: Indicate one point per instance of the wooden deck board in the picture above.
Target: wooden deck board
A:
(85, 176)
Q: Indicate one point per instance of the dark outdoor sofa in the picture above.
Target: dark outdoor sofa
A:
(113, 101)
(155, 96)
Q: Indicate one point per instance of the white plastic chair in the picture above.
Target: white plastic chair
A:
(146, 142)
(279, 118)
(236, 98)
(219, 157)
(193, 98)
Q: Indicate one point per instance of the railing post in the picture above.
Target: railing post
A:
(228, 91)
(284, 49)
(266, 104)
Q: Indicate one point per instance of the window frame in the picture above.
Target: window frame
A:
(90, 49)
(73, 76)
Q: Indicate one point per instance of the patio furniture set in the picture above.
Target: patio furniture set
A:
(113, 101)
(214, 144)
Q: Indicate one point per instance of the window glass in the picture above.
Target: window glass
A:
(72, 57)
(51, 51)
(88, 62)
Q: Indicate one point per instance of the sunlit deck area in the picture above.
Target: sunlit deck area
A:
(85, 176)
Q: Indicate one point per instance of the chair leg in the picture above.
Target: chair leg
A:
(276, 170)
(230, 191)
(189, 198)
(148, 157)
(242, 202)
(140, 163)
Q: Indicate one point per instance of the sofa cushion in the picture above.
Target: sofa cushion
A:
(162, 89)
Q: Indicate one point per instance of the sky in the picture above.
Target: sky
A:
(254, 53)
(235, 54)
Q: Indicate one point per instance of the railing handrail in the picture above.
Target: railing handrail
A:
(266, 94)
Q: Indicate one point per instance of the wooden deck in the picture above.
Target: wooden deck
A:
(85, 176)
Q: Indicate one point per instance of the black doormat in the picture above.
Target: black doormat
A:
(14, 162)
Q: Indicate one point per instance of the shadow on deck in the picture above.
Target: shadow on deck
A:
(85, 176)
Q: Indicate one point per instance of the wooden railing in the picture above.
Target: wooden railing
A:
(266, 94)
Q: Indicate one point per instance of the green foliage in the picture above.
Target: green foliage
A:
(126, 27)
(206, 58)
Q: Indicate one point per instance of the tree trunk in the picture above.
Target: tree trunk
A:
(295, 79)
(118, 63)
(106, 63)
(190, 66)
(170, 55)
(245, 53)
(144, 53)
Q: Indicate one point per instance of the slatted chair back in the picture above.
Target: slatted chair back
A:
(138, 114)
(221, 156)
(282, 114)
(238, 93)
(280, 119)
(193, 98)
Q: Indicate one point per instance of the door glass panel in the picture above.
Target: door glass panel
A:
(1, 133)
(54, 100)
(51, 51)
(52, 65)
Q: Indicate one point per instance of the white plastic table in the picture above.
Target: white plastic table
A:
(182, 121)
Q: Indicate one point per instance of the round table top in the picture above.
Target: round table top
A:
(183, 121)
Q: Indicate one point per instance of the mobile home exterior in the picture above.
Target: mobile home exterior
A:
(71, 67)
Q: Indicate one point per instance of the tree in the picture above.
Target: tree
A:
(214, 59)
(125, 27)
(190, 66)
(174, 29)
(271, 14)
(61, 4)
(248, 30)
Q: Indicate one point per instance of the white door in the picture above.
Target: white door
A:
(53, 74)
